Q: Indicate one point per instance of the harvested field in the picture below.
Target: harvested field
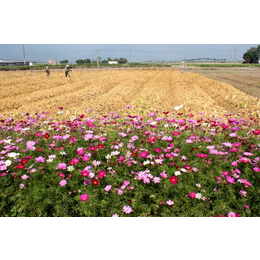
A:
(109, 91)
(244, 79)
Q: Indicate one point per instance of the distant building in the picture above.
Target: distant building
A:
(52, 62)
(113, 62)
(13, 63)
(204, 60)
(32, 63)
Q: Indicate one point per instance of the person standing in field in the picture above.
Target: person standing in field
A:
(67, 70)
(47, 71)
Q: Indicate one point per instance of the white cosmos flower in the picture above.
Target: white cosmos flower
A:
(70, 168)
(146, 162)
(8, 141)
(183, 170)
(198, 196)
(166, 125)
(8, 162)
(13, 155)
(108, 156)
(177, 173)
(115, 153)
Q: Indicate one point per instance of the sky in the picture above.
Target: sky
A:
(139, 52)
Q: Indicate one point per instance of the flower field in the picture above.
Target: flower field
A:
(161, 165)
(141, 160)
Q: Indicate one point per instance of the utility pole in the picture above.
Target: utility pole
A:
(23, 55)
(97, 59)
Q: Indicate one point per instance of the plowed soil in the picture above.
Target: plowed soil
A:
(111, 91)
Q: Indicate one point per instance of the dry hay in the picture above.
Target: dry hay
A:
(110, 91)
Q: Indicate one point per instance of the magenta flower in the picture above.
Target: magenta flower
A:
(62, 166)
(163, 175)
(74, 161)
(63, 183)
(192, 194)
(40, 159)
(126, 183)
(84, 197)
(230, 180)
(127, 209)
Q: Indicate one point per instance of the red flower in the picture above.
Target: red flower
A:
(167, 112)
(46, 135)
(39, 149)
(24, 161)
(20, 166)
(95, 182)
(173, 180)
(176, 133)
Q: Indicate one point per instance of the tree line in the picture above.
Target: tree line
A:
(88, 61)
(252, 55)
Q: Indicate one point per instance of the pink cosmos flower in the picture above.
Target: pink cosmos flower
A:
(40, 159)
(120, 192)
(127, 209)
(134, 138)
(84, 197)
(225, 174)
(115, 215)
(170, 202)
(85, 158)
(256, 169)
(164, 175)
(230, 180)
(156, 180)
(63, 183)
(247, 207)
(25, 177)
(232, 214)
(62, 166)
(243, 193)
(244, 160)
(234, 163)
(126, 183)
(108, 188)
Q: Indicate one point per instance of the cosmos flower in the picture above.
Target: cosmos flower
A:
(63, 182)
(127, 209)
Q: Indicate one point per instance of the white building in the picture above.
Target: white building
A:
(32, 63)
(113, 62)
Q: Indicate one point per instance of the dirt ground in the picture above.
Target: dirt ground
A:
(145, 90)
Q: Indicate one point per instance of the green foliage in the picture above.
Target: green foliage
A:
(64, 61)
(252, 55)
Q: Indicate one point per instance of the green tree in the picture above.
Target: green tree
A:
(251, 55)
(64, 61)
(122, 60)
(87, 60)
(80, 61)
